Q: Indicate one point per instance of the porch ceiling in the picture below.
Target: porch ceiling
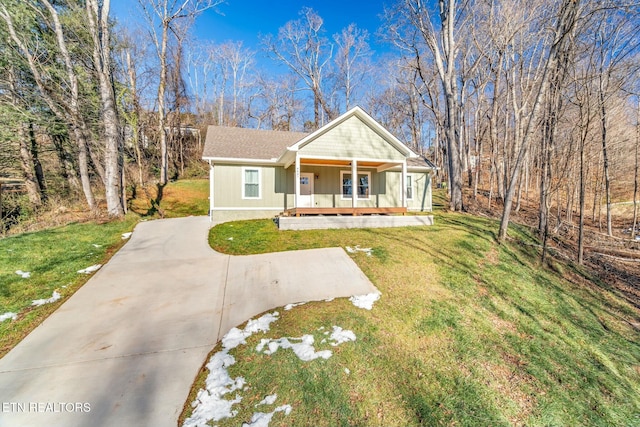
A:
(340, 162)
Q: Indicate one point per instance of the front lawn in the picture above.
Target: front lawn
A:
(53, 257)
(466, 332)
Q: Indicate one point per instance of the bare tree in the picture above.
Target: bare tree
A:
(412, 29)
(161, 16)
(301, 46)
(566, 19)
(350, 61)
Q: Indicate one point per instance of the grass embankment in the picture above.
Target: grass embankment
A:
(54, 256)
(467, 332)
(181, 198)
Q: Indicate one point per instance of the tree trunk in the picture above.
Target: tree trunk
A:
(566, 24)
(67, 170)
(83, 166)
(605, 156)
(635, 178)
(100, 32)
(37, 166)
(26, 163)
(164, 152)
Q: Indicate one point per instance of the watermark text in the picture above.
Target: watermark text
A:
(43, 407)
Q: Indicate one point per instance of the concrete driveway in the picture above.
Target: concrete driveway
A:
(125, 348)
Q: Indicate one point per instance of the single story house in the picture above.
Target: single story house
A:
(264, 173)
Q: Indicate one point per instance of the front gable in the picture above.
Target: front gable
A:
(352, 138)
(353, 135)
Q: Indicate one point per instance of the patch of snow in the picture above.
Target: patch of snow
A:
(125, 236)
(261, 324)
(261, 419)
(210, 403)
(236, 336)
(90, 269)
(290, 306)
(303, 349)
(8, 315)
(54, 297)
(357, 248)
(365, 301)
(268, 400)
(23, 274)
(339, 336)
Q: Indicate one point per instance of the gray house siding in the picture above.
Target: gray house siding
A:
(277, 191)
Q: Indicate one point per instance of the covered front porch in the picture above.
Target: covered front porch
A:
(346, 187)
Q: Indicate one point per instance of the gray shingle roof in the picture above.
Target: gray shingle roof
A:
(240, 143)
(420, 162)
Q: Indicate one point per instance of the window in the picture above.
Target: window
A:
(250, 183)
(409, 187)
(362, 185)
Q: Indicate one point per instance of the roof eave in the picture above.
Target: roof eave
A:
(240, 161)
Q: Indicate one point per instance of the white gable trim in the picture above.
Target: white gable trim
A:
(367, 119)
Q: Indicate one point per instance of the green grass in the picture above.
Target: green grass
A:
(176, 199)
(53, 257)
(467, 332)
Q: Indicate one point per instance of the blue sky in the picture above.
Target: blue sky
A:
(246, 19)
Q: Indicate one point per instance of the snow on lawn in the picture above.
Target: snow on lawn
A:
(339, 335)
(303, 349)
(261, 419)
(365, 301)
(290, 306)
(23, 274)
(8, 315)
(90, 269)
(54, 297)
(211, 403)
(351, 250)
(268, 400)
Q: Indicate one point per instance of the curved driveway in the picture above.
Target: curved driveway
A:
(125, 348)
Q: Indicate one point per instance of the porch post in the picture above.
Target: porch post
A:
(404, 184)
(354, 183)
(297, 181)
(211, 203)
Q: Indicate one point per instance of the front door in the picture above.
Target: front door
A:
(306, 190)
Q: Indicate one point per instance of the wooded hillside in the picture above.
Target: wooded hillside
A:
(518, 102)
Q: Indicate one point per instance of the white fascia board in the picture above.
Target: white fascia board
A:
(237, 161)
